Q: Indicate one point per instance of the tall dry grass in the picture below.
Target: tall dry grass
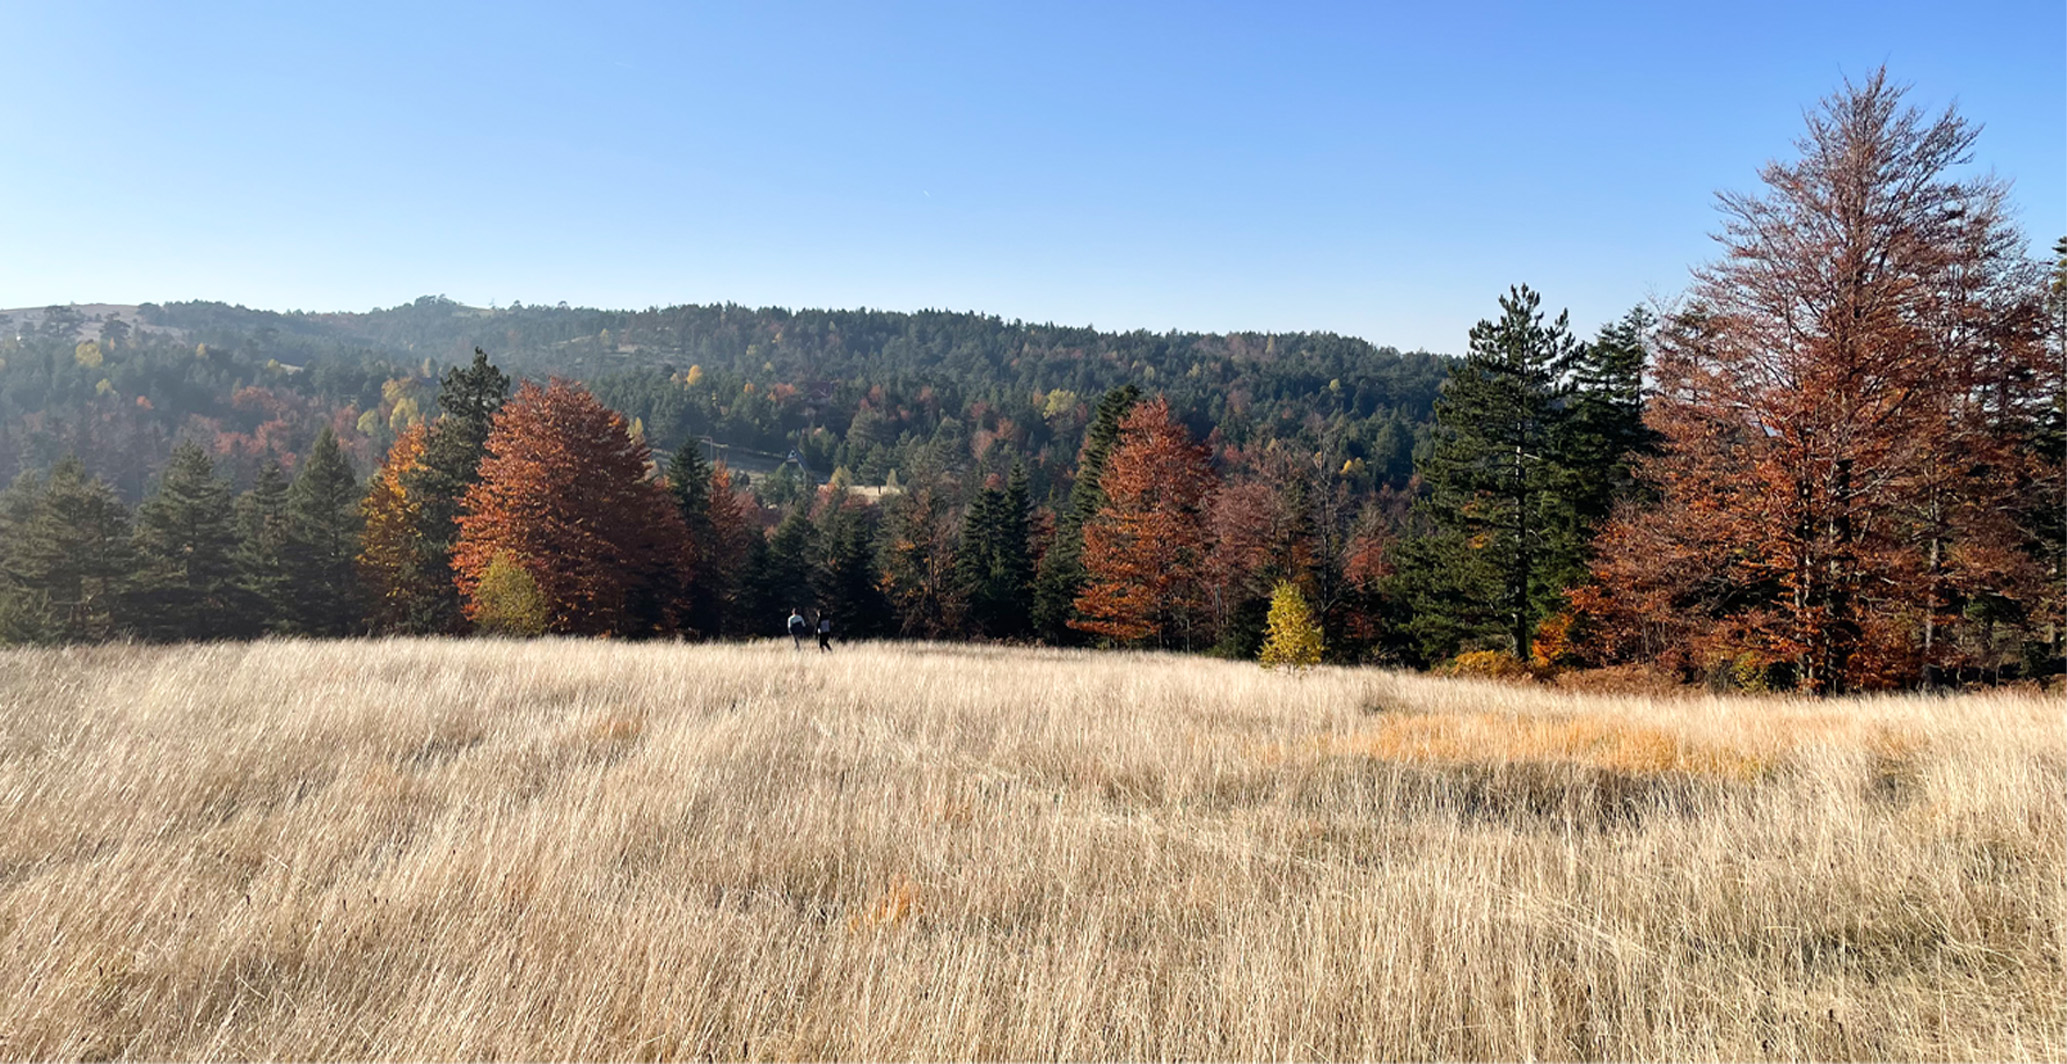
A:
(586, 850)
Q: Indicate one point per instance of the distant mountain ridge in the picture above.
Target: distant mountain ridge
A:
(865, 390)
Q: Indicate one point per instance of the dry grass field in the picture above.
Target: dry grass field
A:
(592, 850)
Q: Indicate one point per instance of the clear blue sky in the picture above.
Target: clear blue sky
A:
(1379, 170)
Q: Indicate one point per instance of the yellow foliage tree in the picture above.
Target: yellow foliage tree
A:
(87, 354)
(507, 601)
(390, 563)
(1294, 634)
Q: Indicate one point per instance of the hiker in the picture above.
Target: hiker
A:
(797, 628)
(825, 633)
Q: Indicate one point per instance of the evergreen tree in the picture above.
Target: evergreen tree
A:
(993, 567)
(1489, 564)
(24, 617)
(73, 556)
(849, 587)
(1061, 575)
(1601, 435)
(468, 398)
(783, 577)
(186, 545)
(689, 484)
(263, 549)
(323, 526)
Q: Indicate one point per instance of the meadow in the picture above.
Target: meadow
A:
(561, 849)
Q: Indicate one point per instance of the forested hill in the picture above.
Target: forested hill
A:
(868, 391)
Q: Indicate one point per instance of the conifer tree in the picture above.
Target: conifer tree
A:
(993, 565)
(186, 543)
(689, 483)
(1488, 564)
(263, 549)
(1293, 635)
(24, 617)
(468, 399)
(73, 556)
(849, 584)
(1061, 575)
(323, 527)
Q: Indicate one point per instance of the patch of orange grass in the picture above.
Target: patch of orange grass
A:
(1615, 745)
(898, 903)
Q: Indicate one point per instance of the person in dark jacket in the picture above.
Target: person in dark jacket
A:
(825, 632)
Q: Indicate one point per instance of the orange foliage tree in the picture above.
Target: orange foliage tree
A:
(1840, 400)
(1146, 549)
(390, 553)
(565, 491)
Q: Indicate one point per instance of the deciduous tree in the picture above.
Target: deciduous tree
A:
(1839, 399)
(564, 491)
(1145, 550)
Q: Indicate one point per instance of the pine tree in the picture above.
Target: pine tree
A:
(1490, 561)
(24, 614)
(263, 549)
(469, 399)
(186, 543)
(74, 555)
(689, 483)
(849, 585)
(1602, 436)
(1061, 575)
(1294, 634)
(993, 565)
(323, 527)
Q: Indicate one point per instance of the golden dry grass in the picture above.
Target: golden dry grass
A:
(590, 850)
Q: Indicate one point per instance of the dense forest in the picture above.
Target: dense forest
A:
(1838, 462)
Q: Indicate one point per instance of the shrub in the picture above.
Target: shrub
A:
(507, 600)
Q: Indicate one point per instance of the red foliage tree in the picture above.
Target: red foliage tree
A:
(1840, 401)
(565, 491)
(1146, 549)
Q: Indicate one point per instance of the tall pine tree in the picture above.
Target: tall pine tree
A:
(186, 544)
(323, 526)
(1489, 564)
(994, 566)
(73, 556)
(263, 548)
(439, 481)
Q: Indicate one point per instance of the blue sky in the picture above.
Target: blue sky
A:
(1378, 170)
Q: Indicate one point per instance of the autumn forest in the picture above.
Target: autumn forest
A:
(1836, 462)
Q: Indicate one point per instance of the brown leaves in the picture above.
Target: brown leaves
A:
(1146, 548)
(564, 491)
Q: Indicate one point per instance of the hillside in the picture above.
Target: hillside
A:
(865, 390)
(583, 850)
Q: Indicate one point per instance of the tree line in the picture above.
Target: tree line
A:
(1835, 464)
